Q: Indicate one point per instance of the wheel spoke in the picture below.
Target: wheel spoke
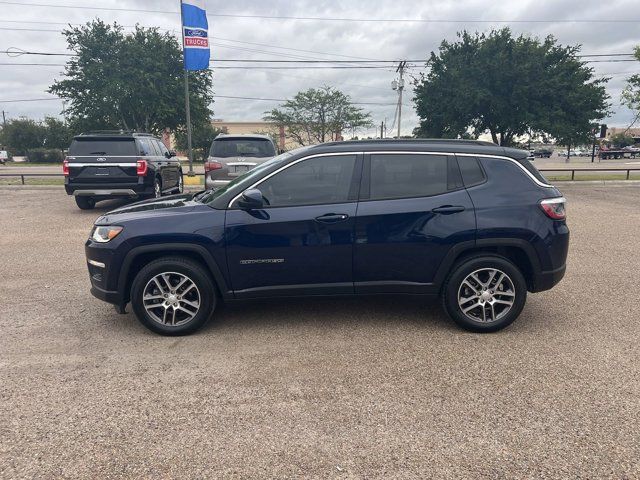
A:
(467, 309)
(476, 290)
(503, 302)
(160, 287)
(491, 277)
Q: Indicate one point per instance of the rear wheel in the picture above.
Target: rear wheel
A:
(157, 188)
(484, 293)
(180, 183)
(86, 203)
(173, 296)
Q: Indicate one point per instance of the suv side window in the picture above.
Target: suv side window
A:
(471, 171)
(311, 182)
(145, 147)
(412, 175)
(162, 148)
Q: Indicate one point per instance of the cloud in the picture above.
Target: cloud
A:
(379, 40)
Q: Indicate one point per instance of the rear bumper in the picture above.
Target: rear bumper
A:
(117, 192)
(131, 190)
(546, 280)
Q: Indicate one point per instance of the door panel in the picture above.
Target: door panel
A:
(401, 242)
(302, 240)
(287, 251)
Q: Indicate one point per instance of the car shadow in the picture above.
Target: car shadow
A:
(329, 312)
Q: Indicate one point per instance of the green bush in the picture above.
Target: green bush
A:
(45, 155)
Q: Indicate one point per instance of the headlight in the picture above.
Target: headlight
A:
(105, 234)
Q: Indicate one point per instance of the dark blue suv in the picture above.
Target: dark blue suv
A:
(470, 221)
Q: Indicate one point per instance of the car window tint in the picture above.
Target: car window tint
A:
(242, 147)
(163, 149)
(115, 147)
(408, 175)
(471, 171)
(311, 182)
(145, 148)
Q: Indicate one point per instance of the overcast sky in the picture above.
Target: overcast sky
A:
(327, 39)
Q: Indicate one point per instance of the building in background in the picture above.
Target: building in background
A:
(632, 132)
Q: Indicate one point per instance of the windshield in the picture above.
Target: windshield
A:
(93, 146)
(242, 147)
(245, 179)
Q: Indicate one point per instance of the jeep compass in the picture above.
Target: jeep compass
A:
(469, 221)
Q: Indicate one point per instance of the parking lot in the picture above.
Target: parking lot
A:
(337, 387)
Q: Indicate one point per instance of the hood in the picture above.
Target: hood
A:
(175, 204)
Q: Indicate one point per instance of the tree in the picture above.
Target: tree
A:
(509, 87)
(56, 134)
(631, 93)
(22, 134)
(621, 140)
(131, 81)
(202, 134)
(318, 115)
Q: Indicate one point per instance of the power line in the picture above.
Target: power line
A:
(18, 52)
(325, 19)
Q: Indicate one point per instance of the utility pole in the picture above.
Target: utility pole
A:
(382, 129)
(399, 85)
(4, 120)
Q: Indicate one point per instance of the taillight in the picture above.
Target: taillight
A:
(141, 167)
(208, 166)
(65, 167)
(554, 208)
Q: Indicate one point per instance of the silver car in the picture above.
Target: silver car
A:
(232, 155)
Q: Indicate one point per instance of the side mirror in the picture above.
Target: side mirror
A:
(170, 154)
(251, 200)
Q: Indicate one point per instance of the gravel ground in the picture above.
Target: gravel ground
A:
(324, 388)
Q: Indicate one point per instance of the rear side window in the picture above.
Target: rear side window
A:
(145, 147)
(409, 175)
(242, 147)
(96, 147)
(471, 171)
(531, 169)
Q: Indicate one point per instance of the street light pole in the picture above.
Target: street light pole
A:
(400, 84)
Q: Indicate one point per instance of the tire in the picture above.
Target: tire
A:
(484, 300)
(86, 203)
(180, 183)
(175, 321)
(157, 188)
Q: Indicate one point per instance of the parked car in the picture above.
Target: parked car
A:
(4, 157)
(107, 165)
(233, 155)
(469, 221)
(543, 152)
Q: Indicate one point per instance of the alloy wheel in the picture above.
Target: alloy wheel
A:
(486, 295)
(171, 298)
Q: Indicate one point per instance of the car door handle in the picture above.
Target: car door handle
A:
(448, 209)
(332, 218)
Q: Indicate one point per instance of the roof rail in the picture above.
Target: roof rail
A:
(454, 141)
(116, 132)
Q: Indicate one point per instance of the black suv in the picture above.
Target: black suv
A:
(107, 165)
(470, 221)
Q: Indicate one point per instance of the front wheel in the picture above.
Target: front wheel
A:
(86, 203)
(173, 296)
(484, 293)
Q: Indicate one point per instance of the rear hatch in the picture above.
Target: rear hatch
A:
(241, 154)
(102, 161)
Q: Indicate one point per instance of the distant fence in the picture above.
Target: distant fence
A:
(562, 171)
